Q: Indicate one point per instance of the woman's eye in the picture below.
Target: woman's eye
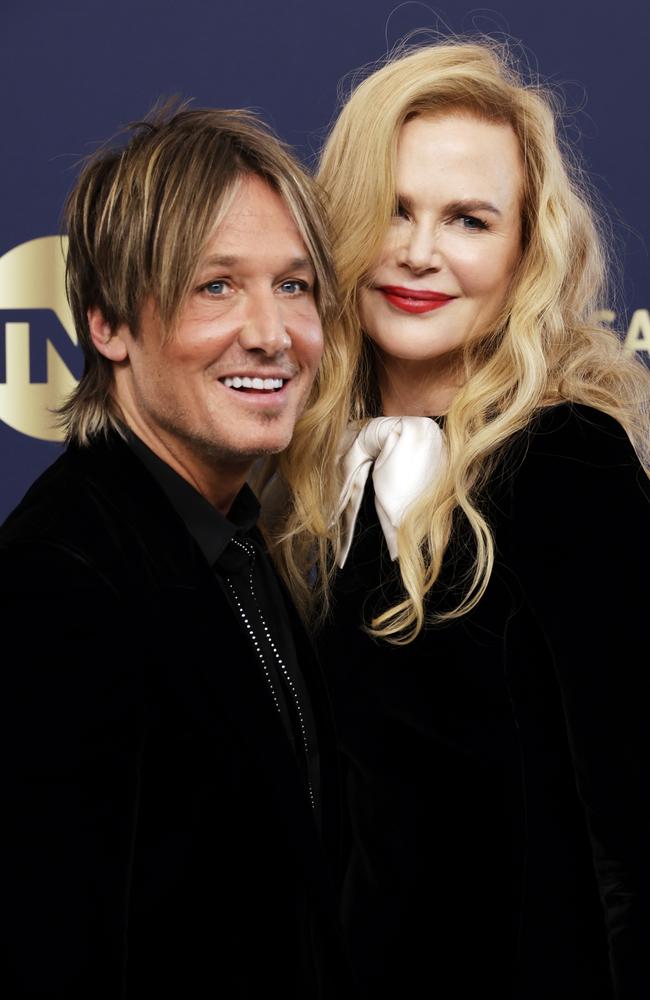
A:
(399, 212)
(472, 223)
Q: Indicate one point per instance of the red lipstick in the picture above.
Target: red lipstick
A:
(413, 300)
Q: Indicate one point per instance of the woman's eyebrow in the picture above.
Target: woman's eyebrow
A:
(463, 207)
(472, 205)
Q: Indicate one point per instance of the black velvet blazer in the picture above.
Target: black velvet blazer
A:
(498, 768)
(162, 843)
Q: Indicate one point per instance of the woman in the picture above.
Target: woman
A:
(492, 548)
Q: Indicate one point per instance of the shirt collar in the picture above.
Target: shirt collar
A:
(209, 528)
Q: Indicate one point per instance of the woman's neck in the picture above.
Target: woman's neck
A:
(410, 389)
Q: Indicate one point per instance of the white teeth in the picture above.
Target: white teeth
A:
(236, 382)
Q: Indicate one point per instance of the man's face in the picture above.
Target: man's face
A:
(232, 381)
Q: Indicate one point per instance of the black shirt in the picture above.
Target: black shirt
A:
(234, 548)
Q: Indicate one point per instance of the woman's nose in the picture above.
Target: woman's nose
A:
(420, 250)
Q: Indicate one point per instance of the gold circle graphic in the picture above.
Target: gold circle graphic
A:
(32, 276)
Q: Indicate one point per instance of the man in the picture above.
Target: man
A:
(176, 794)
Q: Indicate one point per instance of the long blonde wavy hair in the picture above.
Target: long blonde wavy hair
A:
(546, 346)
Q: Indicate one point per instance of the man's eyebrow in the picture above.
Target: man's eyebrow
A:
(219, 260)
(301, 262)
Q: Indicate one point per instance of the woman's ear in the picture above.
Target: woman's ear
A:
(109, 342)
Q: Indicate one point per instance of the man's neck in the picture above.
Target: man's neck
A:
(218, 482)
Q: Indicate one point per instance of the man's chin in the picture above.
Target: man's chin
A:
(270, 448)
(251, 450)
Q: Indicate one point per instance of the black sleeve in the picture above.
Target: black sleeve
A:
(74, 730)
(580, 509)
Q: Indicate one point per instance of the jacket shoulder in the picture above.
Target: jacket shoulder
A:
(72, 495)
(569, 439)
(569, 457)
(581, 433)
(43, 510)
(98, 506)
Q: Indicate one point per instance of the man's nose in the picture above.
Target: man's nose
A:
(264, 326)
(420, 250)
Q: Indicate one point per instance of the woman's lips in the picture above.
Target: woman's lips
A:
(413, 300)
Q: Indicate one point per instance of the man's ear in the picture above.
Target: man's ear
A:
(110, 343)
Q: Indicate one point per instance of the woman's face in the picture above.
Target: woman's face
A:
(452, 247)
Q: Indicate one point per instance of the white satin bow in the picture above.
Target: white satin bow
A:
(407, 452)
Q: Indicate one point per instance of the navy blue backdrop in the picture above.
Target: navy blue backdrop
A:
(73, 71)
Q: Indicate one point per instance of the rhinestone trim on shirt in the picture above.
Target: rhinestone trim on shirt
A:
(250, 552)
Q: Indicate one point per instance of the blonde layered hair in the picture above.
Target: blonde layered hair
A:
(546, 346)
(140, 215)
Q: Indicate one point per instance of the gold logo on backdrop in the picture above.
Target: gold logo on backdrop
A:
(638, 334)
(637, 337)
(32, 276)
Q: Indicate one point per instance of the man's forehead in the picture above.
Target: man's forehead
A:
(233, 260)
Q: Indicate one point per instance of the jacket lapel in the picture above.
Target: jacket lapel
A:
(209, 659)
(324, 716)
(213, 649)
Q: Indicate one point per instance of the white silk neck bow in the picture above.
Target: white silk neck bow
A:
(407, 453)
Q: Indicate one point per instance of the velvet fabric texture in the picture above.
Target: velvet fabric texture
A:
(162, 841)
(497, 768)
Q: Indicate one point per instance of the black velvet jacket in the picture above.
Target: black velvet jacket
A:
(162, 841)
(498, 768)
